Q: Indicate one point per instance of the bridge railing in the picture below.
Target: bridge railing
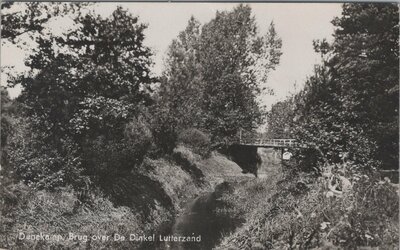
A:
(269, 142)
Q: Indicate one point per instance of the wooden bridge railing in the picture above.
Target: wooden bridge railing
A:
(269, 142)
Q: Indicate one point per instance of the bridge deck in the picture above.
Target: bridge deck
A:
(270, 143)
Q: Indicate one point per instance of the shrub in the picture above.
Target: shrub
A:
(42, 162)
(163, 128)
(108, 157)
(197, 141)
(187, 160)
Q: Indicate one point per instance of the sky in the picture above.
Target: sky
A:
(298, 24)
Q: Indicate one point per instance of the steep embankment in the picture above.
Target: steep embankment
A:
(186, 175)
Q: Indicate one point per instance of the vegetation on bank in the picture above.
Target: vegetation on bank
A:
(291, 209)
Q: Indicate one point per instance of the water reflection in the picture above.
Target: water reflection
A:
(270, 160)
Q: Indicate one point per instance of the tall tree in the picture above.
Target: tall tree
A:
(181, 88)
(366, 67)
(280, 119)
(353, 98)
(87, 80)
(30, 19)
(214, 74)
(230, 48)
(84, 90)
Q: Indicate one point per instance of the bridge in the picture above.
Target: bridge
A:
(269, 143)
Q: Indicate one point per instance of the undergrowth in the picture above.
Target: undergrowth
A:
(60, 212)
(297, 210)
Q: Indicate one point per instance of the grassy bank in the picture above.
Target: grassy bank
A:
(152, 198)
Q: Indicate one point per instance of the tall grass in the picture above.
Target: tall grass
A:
(297, 211)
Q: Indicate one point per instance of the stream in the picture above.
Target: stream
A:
(201, 220)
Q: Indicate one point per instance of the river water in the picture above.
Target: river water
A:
(198, 220)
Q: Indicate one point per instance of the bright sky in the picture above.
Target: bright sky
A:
(298, 24)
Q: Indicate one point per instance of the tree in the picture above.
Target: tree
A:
(214, 74)
(182, 89)
(84, 90)
(90, 81)
(352, 100)
(5, 123)
(30, 19)
(280, 119)
(7, 107)
(230, 49)
(180, 93)
(366, 66)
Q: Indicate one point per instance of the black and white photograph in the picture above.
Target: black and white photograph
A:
(199, 125)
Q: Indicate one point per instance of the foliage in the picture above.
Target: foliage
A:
(280, 119)
(164, 129)
(196, 140)
(5, 123)
(60, 213)
(230, 47)
(187, 160)
(347, 115)
(87, 110)
(83, 92)
(215, 72)
(181, 88)
(298, 211)
(88, 81)
(107, 157)
(31, 18)
(6, 128)
(40, 164)
(177, 183)
(349, 108)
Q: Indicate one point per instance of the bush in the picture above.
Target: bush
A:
(107, 157)
(197, 141)
(163, 128)
(187, 161)
(42, 162)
